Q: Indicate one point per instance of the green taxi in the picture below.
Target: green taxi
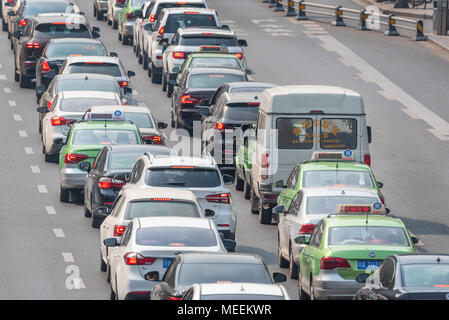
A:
(243, 163)
(83, 143)
(342, 246)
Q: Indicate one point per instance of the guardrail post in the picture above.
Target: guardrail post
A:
(392, 31)
(338, 17)
(420, 31)
(279, 6)
(362, 21)
(272, 4)
(291, 9)
(302, 11)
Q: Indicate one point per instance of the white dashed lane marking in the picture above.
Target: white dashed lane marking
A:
(50, 210)
(59, 233)
(12, 103)
(17, 117)
(3, 77)
(7, 90)
(23, 133)
(29, 150)
(42, 188)
(68, 257)
(35, 169)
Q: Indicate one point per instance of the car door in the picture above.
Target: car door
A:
(292, 220)
(107, 227)
(312, 254)
(154, 36)
(24, 37)
(284, 228)
(116, 254)
(386, 279)
(288, 193)
(47, 128)
(94, 176)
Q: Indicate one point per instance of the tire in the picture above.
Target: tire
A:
(114, 25)
(24, 81)
(282, 262)
(16, 75)
(302, 295)
(155, 78)
(254, 201)
(108, 273)
(87, 213)
(149, 73)
(164, 83)
(109, 22)
(312, 290)
(75, 196)
(64, 195)
(4, 26)
(50, 158)
(170, 90)
(246, 190)
(172, 123)
(100, 16)
(139, 59)
(145, 60)
(119, 36)
(112, 295)
(134, 48)
(95, 11)
(265, 214)
(103, 265)
(40, 127)
(292, 267)
(125, 41)
(239, 182)
(96, 222)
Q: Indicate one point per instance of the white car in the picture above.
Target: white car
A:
(200, 175)
(8, 6)
(236, 291)
(149, 245)
(139, 23)
(114, 8)
(66, 106)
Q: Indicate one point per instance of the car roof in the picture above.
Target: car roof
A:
(422, 258)
(126, 108)
(249, 84)
(170, 193)
(172, 1)
(59, 17)
(361, 220)
(187, 222)
(215, 70)
(106, 59)
(221, 258)
(241, 288)
(47, 1)
(116, 125)
(188, 9)
(90, 76)
(77, 40)
(88, 94)
(213, 55)
(174, 160)
(199, 31)
(332, 165)
(337, 191)
(243, 97)
(124, 148)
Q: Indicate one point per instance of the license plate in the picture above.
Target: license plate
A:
(166, 262)
(368, 264)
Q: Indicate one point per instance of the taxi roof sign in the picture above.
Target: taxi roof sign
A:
(376, 208)
(214, 49)
(114, 116)
(346, 155)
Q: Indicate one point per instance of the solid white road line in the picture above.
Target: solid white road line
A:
(68, 257)
(35, 169)
(23, 133)
(29, 150)
(59, 233)
(42, 188)
(50, 210)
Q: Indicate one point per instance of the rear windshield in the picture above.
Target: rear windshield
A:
(123, 160)
(241, 112)
(367, 235)
(104, 137)
(249, 89)
(231, 63)
(161, 208)
(74, 49)
(213, 81)
(111, 69)
(175, 21)
(338, 133)
(329, 204)
(187, 178)
(82, 104)
(34, 8)
(215, 272)
(142, 120)
(321, 178)
(241, 297)
(426, 275)
(211, 41)
(295, 133)
(177, 5)
(89, 85)
(62, 29)
(137, 3)
(176, 237)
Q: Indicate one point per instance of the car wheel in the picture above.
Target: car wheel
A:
(238, 182)
(103, 265)
(64, 195)
(16, 75)
(119, 36)
(164, 83)
(95, 11)
(139, 58)
(112, 295)
(150, 74)
(75, 196)
(96, 222)
(172, 123)
(145, 60)
(50, 158)
(264, 213)
(100, 16)
(24, 81)
(125, 40)
(246, 190)
(282, 262)
(312, 291)
(155, 78)
(170, 90)
(302, 295)
(292, 266)
(254, 202)
(114, 25)
(108, 273)
(4, 26)
(109, 22)
(87, 213)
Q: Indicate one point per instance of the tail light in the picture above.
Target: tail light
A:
(152, 18)
(219, 198)
(221, 126)
(265, 164)
(187, 99)
(45, 67)
(162, 30)
(32, 45)
(58, 121)
(155, 139)
(108, 183)
(23, 23)
(74, 158)
(329, 263)
(123, 84)
(307, 228)
(178, 55)
(129, 16)
(133, 258)
(159, 57)
(49, 105)
(382, 199)
(173, 298)
(239, 55)
(367, 159)
(119, 230)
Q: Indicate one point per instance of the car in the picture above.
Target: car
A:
(316, 173)
(82, 145)
(138, 24)
(243, 163)
(142, 117)
(223, 126)
(309, 206)
(358, 238)
(100, 65)
(66, 107)
(10, 5)
(79, 82)
(112, 15)
(407, 277)
(201, 175)
(234, 87)
(151, 15)
(165, 28)
(126, 20)
(38, 31)
(167, 202)
(198, 84)
(107, 175)
(190, 268)
(100, 8)
(148, 247)
(190, 40)
(57, 50)
(236, 291)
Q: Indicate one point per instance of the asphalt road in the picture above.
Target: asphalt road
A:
(46, 244)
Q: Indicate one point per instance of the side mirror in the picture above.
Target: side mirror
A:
(113, 54)
(130, 74)
(361, 278)
(162, 125)
(138, 14)
(85, 166)
(280, 184)
(95, 35)
(279, 209)
(39, 90)
(380, 184)
(387, 210)
(229, 244)
(301, 240)
(7, 4)
(127, 90)
(175, 70)
(173, 83)
(11, 13)
(242, 43)
(209, 213)
(369, 134)
(415, 240)
(42, 109)
(225, 26)
(249, 72)
(279, 277)
(95, 29)
(16, 34)
(152, 276)
(228, 179)
(59, 141)
(110, 242)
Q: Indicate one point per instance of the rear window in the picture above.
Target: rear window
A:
(176, 237)
(213, 81)
(241, 112)
(36, 7)
(295, 133)
(210, 40)
(123, 160)
(137, 3)
(177, 5)
(338, 133)
(215, 63)
(74, 49)
(82, 104)
(142, 120)
(187, 178)
(161, 208)
(104, 137)
(62, 29)
(321, 178)
(83, 85)
(111, 69)
(367, 235)
(426, 275)
(175, 21)
(329, 204)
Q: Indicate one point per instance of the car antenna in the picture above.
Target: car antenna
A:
(86, 78)
(438, 260)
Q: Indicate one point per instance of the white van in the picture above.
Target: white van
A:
(293, 123)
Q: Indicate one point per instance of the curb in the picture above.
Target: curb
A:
(397, 12)
(438, 43)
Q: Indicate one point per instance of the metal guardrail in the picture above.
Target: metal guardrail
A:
(299, 9)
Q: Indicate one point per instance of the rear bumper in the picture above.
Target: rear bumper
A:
(133, 286)
(72, 178)
(330, 286)
(128, 29)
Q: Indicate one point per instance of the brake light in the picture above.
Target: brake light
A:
(152, 18)
(119, 230)
(382, 199)
(155, 139)
(307, 228)
(74, 158)
(173, 298)
(32, 45)
(208, 34)
(23, 23)
(256, 104)
(133, 258)
(123, 84)
(264, 164)
(161, 30)
(219, 126)
(178, 55)
(367, 159)
(190, 12)
(161, 199)
(58, 121)
(187, 99)
(45, 67)
(182, 167)
(329, 263)
(108, 183)
(49, 105)
(128, 16)
(219, 198)
(239, 55)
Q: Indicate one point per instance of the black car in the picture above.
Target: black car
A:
(407, 277)
(57, 50)
(189, 268)
(198, 84)
(105, 179)
(38, 31)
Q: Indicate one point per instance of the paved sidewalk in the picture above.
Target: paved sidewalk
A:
(388, 8)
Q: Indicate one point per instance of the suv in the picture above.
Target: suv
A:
(126, 20)
(197, 174)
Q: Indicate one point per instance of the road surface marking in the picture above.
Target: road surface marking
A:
(263, 20)
(386, 95)
(364, 77)
(50, 210)
(3, 77)
(7, 90)
(68, 257)
(35, 169)
(411, 114)
(314, 33)
(325, 47)
(29, 150)
(437, 134)
(23, 133)
(344, 61)
(12, 103)
(59, 233)
(17, 117)
(42, 188)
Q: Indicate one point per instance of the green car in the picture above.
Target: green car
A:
(126, 20)
(319, 173)
(345, 245)
(83, 143)
(243, 164)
